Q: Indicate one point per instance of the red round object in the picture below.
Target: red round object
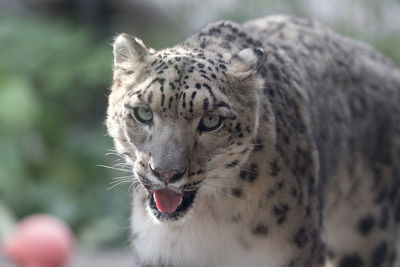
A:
(40, 241)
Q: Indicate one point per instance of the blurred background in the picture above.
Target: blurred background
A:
(55, 73)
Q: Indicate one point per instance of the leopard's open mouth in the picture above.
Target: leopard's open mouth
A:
(169, 205)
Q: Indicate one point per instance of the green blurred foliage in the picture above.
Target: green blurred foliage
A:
(389, 45)
(54, 78)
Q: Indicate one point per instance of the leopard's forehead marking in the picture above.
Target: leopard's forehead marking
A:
(184, 83)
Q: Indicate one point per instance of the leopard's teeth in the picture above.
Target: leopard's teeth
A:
(180, 202)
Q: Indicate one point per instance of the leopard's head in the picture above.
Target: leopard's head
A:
(183, 118)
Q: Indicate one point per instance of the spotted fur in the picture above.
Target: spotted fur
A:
(304, 169)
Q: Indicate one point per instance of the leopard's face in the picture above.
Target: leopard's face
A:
(176, 118)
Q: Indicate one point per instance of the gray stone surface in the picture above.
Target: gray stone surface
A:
(83, 258)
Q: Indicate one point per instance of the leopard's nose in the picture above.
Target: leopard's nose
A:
(167, 176)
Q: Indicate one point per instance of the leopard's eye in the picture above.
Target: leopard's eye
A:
(210, 123)
(143, 115)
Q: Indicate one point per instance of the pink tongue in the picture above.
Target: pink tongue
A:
(167, 200)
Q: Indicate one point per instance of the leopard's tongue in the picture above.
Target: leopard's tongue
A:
(167, 200)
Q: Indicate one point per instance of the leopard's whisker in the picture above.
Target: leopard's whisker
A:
(222, 192)
(117, 184)
(114, 168)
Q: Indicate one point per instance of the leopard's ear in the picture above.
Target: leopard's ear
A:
(129, 51)
(247, 62)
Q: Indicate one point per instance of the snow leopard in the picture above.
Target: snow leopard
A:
(271, 143)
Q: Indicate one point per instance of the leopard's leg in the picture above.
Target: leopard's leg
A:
(360, 216)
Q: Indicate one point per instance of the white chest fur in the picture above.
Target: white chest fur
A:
(201, 240)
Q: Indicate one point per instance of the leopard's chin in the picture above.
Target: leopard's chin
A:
(184, 206)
